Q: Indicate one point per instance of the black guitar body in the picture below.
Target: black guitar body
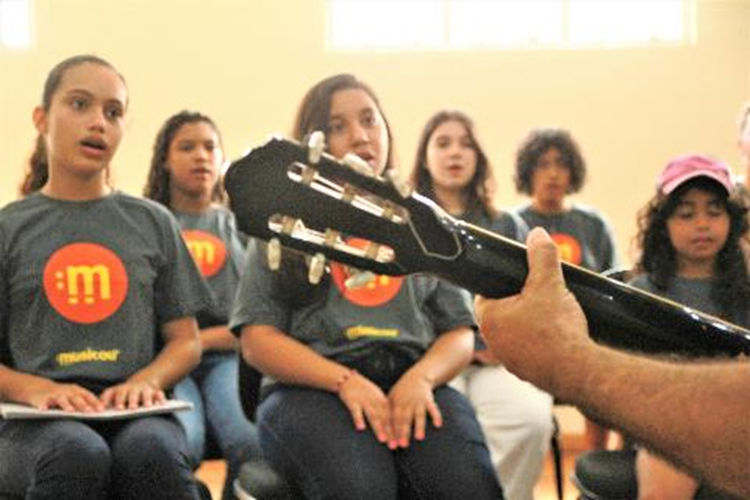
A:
(269, 183)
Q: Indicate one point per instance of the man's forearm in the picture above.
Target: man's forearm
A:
(695, 414)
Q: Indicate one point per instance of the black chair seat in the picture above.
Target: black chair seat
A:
(606, 475)
(610, 475)
(257, 481)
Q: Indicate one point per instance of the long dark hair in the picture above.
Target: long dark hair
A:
(37, 173)
(481, 188)
(536, 144)
(315, 109)
(158, 184)
(731, 285)
(313, 114)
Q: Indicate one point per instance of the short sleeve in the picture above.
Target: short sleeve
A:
(257, 301)
(450, 307)
(510, 225)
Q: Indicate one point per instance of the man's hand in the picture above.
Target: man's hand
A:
(534, 332)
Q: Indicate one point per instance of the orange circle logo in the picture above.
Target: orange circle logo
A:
(208, 251)
(85, 282)
(377, 291)
(569, 248)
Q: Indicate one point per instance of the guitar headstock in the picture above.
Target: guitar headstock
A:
(300, 197)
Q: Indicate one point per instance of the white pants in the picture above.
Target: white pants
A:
(516, 418)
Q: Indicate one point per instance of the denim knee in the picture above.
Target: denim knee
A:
(76, 464)
(151, 461)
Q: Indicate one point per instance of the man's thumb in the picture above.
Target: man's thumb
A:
(543, 259)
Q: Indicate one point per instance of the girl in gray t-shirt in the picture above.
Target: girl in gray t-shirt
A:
(356, 403)
(185, 177)
(98, 297)
(452, 168)
(689, 237)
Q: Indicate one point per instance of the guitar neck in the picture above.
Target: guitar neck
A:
(315, 208)
(618, 315)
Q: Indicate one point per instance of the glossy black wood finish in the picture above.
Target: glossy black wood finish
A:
(485, 263)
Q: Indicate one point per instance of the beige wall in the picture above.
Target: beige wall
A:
(248, 62)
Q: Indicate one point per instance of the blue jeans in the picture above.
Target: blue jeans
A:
(75, 460)
(213, 388)
(309, 437)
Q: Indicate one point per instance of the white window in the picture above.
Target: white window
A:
(501, 24)
(15, 24)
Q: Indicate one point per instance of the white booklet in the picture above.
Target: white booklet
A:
(11, 411)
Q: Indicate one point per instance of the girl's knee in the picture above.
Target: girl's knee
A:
(76, 452)
(154, 442)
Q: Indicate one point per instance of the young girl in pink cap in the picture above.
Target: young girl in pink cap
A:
(689, 237)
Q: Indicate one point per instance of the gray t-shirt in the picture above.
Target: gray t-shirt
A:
(404, 314)
(692, 292)
(85, 286)
(218, 249)
(582, 234)
(508, 224)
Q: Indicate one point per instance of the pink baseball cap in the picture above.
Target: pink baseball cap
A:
(683, 168)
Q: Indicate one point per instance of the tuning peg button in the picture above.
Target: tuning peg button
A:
(403, 187)
(316, 144)
(317, 268)
(274, 254)
(358, 164)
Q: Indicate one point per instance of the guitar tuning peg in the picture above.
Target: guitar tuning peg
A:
(402, 187)
(308, 176)
(371, 250)
(359, 279)
(274, 254)
(316, 144)
(317, 268)
(358, 164)
(290, 224)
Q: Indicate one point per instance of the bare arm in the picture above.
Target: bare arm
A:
(288, 360)
(694, 414)
(449, 354)
(44, 393)
(218, 338)
(144, 388)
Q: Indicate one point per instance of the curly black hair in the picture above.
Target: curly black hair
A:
(658, 259)
(535, 145)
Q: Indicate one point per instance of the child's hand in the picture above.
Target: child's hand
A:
(412, 401)
(47, 394)
(366, 401)
(132, 395)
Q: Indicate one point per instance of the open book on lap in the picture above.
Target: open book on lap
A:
(19, 411)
